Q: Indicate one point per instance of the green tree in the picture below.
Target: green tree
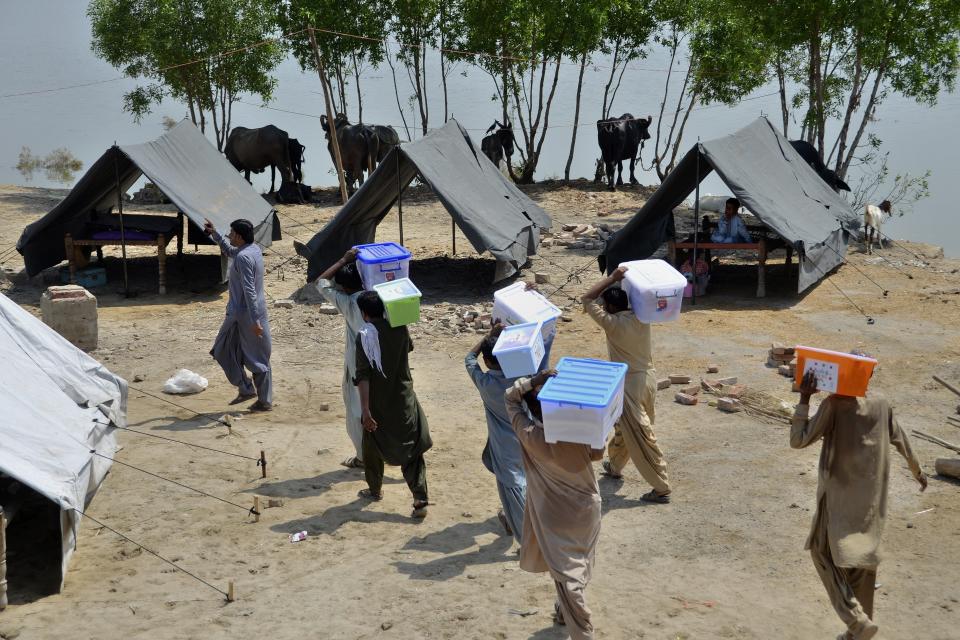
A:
(415, 26)
(626, 36)
(346, 57)
(196, 51)
(844, 57)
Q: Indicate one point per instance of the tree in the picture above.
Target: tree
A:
(196, 51)
(847, 56)
(626, 35)
(344, 55)
(415, 25)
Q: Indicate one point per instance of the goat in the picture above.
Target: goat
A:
(873, 217)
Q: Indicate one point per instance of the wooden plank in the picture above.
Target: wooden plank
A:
(947, 385)
(936, 440)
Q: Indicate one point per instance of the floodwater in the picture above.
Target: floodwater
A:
(45, 44)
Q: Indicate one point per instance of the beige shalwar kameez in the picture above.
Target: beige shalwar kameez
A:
(561, 523)
(851, 496)
(629, 342)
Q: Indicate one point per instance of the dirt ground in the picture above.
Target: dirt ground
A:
(724, 560)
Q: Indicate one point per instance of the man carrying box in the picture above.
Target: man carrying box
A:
(561, 522)
(628, 341)
(851, 495)
(501, 454)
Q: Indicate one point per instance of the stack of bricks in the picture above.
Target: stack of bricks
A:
(71, 311)
(782, 359)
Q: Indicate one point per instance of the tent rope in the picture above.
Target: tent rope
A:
(188, 444)
(153, 553)
(179, 406)
(248, 510)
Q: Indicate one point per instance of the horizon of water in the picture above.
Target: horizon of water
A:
(46, 44)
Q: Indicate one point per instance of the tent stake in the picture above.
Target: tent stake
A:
(399, 196)
(231, 592)
(123, 238)
(696, 228)
(256, 508)
(331, 125)
(263, 464)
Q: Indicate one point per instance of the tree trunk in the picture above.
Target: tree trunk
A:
(576, 117)
(853, 103)
(356, 80)
(867, 117)
(605, 110)
(782, 83)
(396, 90)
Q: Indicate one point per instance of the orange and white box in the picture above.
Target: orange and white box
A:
(841, 373)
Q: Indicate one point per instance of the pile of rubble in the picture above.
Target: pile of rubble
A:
(150, 194)
(579, 236)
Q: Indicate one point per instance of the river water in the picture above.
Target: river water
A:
(45, 44)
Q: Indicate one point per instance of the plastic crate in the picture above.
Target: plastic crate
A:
(655, 290)
(520, 349)
(402, 301)
(382, 262)
(841, 373)
(583, 401)
(516, 305)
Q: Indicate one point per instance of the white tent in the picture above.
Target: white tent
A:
(58, 405)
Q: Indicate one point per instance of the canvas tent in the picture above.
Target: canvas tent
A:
(59, 404)
(770, 179)
(184, 166)
(491, 211)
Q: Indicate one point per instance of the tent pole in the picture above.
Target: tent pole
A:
(399, 196)
(3, 560)
(331, 126)
(123, 237)
(696, 227)
(453, 234)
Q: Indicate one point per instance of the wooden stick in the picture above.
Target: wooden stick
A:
(256, 508)
(947, 385)
(231, 592)
(936, 440)
(331, 125)
(3, 560)
(263, 464)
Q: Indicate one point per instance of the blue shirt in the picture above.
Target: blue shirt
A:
(502, 455)
(247, 299)
(731, 231)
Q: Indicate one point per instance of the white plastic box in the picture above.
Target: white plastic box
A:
(401, 300)
(520, 349)
(516, 305)
(655, 290)
(583, 402)
(382, 262)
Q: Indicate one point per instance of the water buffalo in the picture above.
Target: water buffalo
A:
(296, 163)
(359, 148)
(809, 153)
(387, 139)
(621, 139)
(253, 150)
(499, 144)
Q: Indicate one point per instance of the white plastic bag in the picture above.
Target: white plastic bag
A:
(185, 381)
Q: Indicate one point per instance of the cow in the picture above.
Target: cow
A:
(296, 163)
(873, 217)
(387, 139)
(253, 150)
(359, 148)
(498, 144)
(622, 139)
(809, 154)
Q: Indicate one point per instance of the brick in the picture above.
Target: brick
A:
(692, 390)
(713, 368)
(733, 391)
(730, 405)
(73, 317)
(328, 309)
(728, 380)
(787, 370)
(678, 378)
(683, 398)
(541, 278)
(664, 383)
(66, 292)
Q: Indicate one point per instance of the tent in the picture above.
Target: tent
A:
(769, 177)
(59, 404)
(184, 166)
(490, 210)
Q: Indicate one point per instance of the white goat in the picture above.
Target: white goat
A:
(873, 217)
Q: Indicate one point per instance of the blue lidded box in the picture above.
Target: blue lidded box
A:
(583, 401)
(381, 262)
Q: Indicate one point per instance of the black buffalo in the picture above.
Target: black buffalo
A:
(359, 148)
(499, 143)
(253, 150)
(809, 153)
(621, 139)
(296, 163)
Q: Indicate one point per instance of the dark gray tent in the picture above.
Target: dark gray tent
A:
(184, 166)
(770, 179)
(490, 210)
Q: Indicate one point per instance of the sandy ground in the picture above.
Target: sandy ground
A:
(724, 560)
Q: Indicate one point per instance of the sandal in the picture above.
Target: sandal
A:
(353, 462)
(242, 397)
(367, 494)
(503, 521)
(259, 405)
(657, 498)
(608, 471)
(419, 509)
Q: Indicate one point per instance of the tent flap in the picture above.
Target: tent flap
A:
(770, 179)
(494, 215)
(184, 166)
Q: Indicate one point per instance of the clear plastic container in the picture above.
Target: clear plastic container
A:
(520, 349)
(382, 262)
(402, 301)
(655, 290)
(583, 402)
(841, 373)
(516, 305)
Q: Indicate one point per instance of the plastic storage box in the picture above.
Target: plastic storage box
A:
(520, 349)
(89, 278)
(402, 301)
(583, 402)
(841, 373)
(382, 262)
(516, 305)
(655, 290)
